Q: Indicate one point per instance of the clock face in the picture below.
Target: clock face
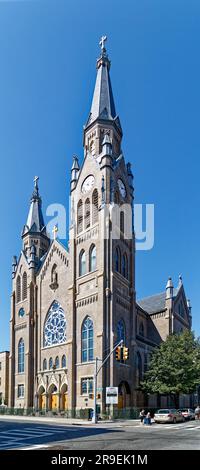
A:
(87, 184)
(121, 187)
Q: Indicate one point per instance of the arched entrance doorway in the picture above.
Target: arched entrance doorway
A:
(53, 398)
(64, 398)
(124, 395)
(42, 398)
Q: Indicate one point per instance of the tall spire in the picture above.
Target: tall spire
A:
(103, 106)
(35, 221)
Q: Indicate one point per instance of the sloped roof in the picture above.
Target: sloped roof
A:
(154, 303)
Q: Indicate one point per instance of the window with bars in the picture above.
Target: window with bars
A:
(95, 206)
(86, 385)
(18, 289)
(80, 217)
(87, 213)
(20, 392)
(24, 286)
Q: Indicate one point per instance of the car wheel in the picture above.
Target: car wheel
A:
(174, 420)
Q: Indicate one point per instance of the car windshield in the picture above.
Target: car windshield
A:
(162, 412)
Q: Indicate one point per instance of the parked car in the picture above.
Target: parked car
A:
(188, 413)
(168, 415)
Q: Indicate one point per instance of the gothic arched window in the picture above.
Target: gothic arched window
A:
(24, 286)
(125, 265)
(87, 336)
(121, 334)
(93, 258)
(21, 355)
(117, 260)
(45, 364)
(55, 326)
(138, 369)
(18, 289)
(87, 213)
(50, 363)
(79, 217)
(64, 362)
(95, 206)
(141, 329)
(82, 263)
(57, 362)
(54, 275)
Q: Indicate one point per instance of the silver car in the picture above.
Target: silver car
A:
(168, 415)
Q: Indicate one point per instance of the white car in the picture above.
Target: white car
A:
(168, 415)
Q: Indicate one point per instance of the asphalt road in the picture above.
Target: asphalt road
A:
(29, 435)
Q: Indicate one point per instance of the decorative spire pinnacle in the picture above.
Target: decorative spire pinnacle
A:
(35, 221)
(103, 106)
(169, 289)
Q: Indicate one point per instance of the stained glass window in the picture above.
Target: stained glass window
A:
(21, 312)
(120, 331)
(55, 326)
(21, 356)
(87, 340)
(64, 362)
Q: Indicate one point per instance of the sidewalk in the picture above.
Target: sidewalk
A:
(68, 421)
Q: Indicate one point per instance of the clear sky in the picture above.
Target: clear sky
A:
(48, 51)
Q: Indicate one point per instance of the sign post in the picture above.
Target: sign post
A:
(111, 395)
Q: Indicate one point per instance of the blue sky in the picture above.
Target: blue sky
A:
(48, 51)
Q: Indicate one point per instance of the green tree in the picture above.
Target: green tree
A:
(174, 367)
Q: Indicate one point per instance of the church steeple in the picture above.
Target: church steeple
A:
(102, 117)
(34, 231)
(103, 106)
(35, 220)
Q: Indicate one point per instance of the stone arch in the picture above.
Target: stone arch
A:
(41, 397)
(64, 397)
(53, 397)
(124, 394)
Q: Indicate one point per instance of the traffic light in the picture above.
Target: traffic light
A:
(125, 353)
(118, 353)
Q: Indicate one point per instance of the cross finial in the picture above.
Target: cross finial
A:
(54, 231)
(36, 181)
(102, 43)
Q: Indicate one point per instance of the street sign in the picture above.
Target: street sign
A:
(111, 395)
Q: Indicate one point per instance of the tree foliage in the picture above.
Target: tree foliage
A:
(174, 367)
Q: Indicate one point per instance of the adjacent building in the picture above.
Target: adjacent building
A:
(4, 377)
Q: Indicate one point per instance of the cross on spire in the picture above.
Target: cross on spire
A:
(36, 178)
(54, 231)
(102, 42)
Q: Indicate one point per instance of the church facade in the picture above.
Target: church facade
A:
(71, 305)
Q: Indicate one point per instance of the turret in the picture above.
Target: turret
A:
(14, 266)
(169, 289)
(74, 172)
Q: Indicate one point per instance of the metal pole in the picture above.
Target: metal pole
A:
(96, 372)
(94, 418)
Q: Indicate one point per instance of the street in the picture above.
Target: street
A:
(103, 436)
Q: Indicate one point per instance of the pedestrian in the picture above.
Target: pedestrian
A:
(197, 412)
(142, 416)
(148, 418)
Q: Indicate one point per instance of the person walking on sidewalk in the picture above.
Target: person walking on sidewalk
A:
(142, 416)
(197, 412)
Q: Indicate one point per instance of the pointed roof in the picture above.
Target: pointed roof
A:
(35, 220)
(103, 106)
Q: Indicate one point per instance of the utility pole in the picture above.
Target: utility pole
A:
(94, 418)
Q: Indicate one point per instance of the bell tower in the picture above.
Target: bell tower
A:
(102, 249)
